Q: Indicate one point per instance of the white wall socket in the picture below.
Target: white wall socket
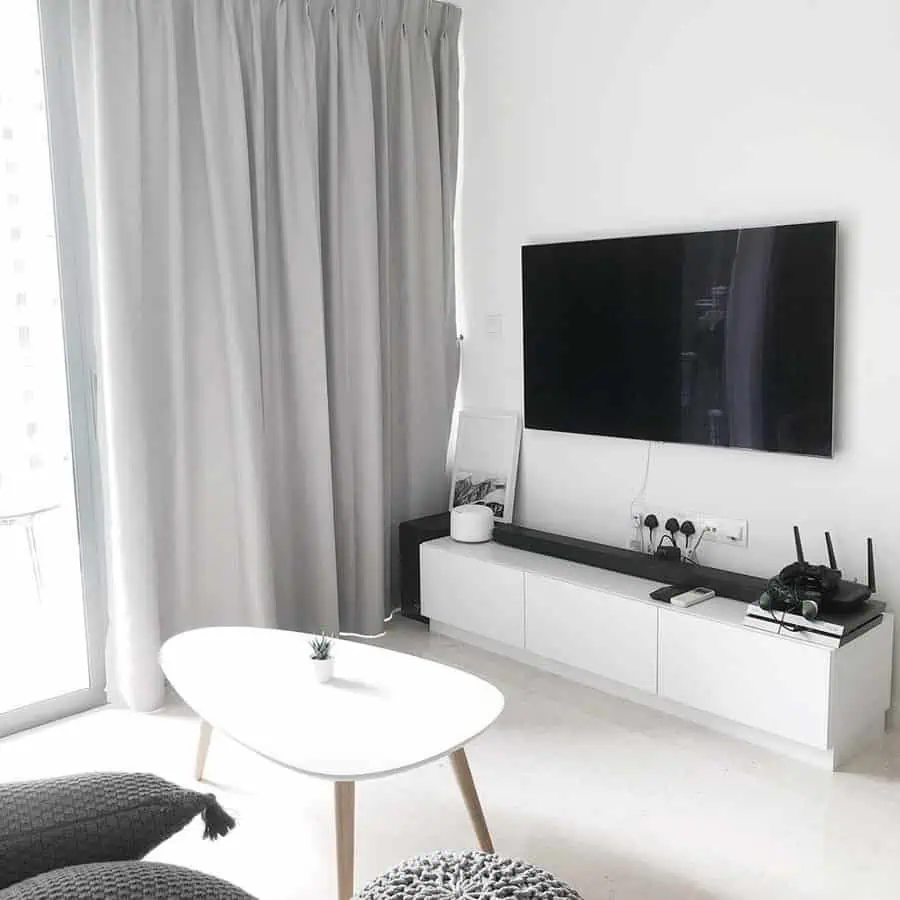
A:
(663, 513)
(724, 531)
(719, 530)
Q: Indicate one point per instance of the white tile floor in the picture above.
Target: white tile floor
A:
(620, 801)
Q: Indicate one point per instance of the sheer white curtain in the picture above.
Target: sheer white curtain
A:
(269, 190)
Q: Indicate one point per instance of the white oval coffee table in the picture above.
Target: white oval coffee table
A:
(384, 712)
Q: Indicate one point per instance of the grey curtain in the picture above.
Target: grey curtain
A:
(268, 191)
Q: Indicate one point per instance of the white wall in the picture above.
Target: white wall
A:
(587, 118)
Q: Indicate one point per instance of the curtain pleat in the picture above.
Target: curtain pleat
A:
(109, 77)
(235, 480)
(353, 315)
(293, 345)
(270, 189)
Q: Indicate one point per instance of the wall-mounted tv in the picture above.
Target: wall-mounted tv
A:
(723, 338)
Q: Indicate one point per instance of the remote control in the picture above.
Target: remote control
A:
(665, 594)
(689, 598)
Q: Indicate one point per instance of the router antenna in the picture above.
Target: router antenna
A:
(831, 558)
(798, 544)
(871, 554)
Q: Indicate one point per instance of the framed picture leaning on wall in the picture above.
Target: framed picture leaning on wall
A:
(486, 461)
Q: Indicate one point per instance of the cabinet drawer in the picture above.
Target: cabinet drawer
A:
(589, 629)
(756, 679)
(477, 596)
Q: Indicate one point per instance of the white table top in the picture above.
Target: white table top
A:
(383, 712)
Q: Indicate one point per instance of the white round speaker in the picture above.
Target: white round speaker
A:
(471, 524)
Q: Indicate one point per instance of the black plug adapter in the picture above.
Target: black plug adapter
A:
(687, 528)
(669, 554)
(651, 523)
(672, 526)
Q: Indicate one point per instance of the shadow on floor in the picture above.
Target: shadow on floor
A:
(599, 873)
(880, 762)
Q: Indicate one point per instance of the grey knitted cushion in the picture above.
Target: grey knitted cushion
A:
(465, 876)
(124, 881)
(98, 817)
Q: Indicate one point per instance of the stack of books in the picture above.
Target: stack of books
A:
(829, 630)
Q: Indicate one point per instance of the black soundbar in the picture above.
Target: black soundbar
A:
(746, 588)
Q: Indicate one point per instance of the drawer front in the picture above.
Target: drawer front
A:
(481, 597)
(601, 633)
(756, 679)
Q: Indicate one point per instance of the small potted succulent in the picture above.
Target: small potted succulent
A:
(321, 658)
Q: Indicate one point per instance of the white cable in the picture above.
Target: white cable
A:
(692, 554)
(640, 494)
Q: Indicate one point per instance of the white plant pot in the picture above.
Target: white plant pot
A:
(323, 669)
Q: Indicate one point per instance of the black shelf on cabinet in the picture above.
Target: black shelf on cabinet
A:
(411, 535)
(641, 565)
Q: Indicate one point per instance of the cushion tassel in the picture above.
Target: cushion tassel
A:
(217, 822)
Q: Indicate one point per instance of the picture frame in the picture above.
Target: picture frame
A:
(486, 461)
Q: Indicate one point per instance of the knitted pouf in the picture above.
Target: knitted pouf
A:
(466, 875)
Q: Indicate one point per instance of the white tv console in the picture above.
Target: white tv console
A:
(601, 628)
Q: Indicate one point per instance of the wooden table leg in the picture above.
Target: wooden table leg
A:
(466, 783)
(202, 749)
(344, 815)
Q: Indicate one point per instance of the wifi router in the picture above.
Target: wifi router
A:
(846, 608)
(848, 596)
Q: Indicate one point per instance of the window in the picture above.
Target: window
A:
(51, 584)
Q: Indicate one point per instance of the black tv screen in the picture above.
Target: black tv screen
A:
(723, 338)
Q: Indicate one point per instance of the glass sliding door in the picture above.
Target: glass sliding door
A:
(50, 577)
